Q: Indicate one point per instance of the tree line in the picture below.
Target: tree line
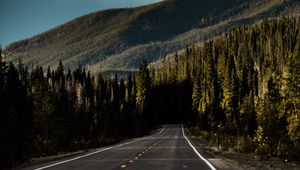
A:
(244, 87)
(46, 113)
(240, 89)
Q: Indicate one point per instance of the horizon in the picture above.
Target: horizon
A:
(23, 20)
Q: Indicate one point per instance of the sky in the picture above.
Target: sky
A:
(20, 19)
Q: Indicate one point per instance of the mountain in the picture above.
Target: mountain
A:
(117, 39)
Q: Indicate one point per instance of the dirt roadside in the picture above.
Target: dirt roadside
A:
(233, 160)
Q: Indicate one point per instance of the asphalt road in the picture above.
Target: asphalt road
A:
(168, 149)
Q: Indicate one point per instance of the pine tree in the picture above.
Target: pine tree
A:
(143, 86)
(293, 96)
(100, 91)
(230, 101)
(248, 115)
(196, 95)
(122, 89)
(115, 91)
(129, 85)
(59, 71)
(16, 119)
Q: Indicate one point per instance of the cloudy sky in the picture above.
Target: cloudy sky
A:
(21, 19)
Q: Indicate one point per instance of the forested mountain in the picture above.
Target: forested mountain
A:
(241, 90)
(118, 39)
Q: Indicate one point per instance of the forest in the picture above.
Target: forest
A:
(240, 90)
(245, 87)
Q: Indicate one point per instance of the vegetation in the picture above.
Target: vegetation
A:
(119, 39)
(245, 87)
(240, 89)
(60, 111)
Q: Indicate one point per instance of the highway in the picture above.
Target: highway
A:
(170, 148)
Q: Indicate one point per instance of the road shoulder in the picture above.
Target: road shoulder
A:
(35, 161)
(224, 160)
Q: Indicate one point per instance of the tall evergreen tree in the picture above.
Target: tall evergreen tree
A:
(16, 122)
(143, 86)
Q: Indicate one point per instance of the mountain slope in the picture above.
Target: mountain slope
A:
(118, 39)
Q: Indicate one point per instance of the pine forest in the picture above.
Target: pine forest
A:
(239, 90)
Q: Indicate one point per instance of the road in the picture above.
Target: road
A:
(170, 148)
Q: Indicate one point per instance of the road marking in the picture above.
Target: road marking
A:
(131, 161)
(169, 159)
(93, 153)
(123, 166)
(195, 150)
(184, 166)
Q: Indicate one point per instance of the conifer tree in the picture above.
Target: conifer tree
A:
(230, 101)
(196, 95)
(143, 86)
(128, 92)
(16, 122)
(293, 96)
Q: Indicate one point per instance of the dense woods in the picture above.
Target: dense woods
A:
(62, 110)
(240, 90)
(245, 87)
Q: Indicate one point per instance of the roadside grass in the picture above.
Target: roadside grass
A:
(240, 151)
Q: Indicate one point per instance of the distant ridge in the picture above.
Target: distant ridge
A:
(117, 39)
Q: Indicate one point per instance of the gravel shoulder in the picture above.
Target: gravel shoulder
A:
(231, 159)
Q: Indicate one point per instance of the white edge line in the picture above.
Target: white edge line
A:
(200, 156)
(105, 149)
